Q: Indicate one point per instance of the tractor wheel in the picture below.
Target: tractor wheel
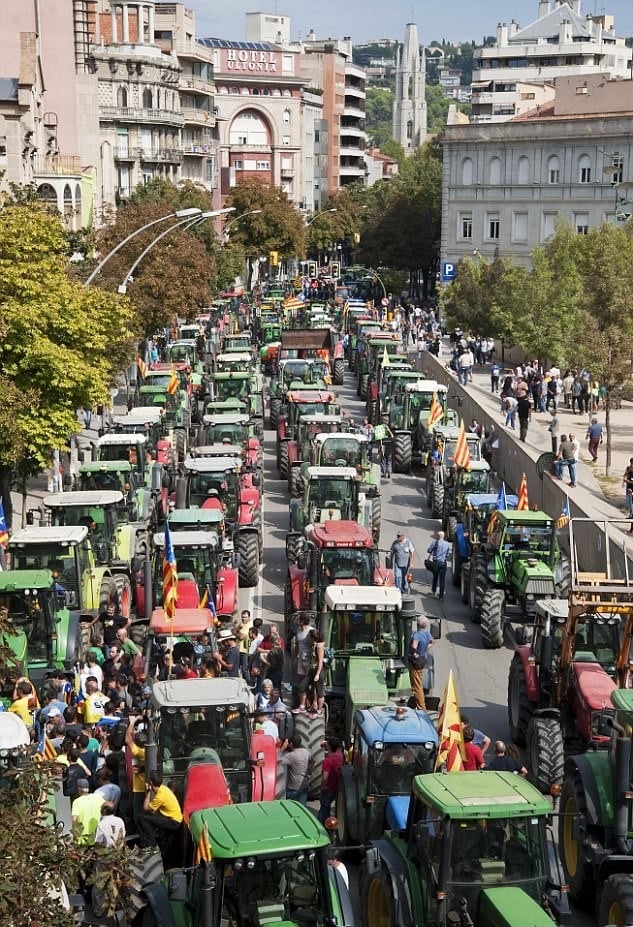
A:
(437, 500)
(545, 753)
(274, 407)
(363, 383)
(342, 816)
(378, 907)
(293, 481)
(247, 547)
(283, 460)
(429, 491)
(376, 517)
(464, 582)
(492, 608)
(563, 584)
(312, 734)
(520, 708)
(338, 372)
(180, 442)
(578, 872)
(615, 901)
(477, 585)
(456, 564)
(451, 528)
(372, 411)
(293, 548)
(108, 592)
(402, 452)
(124, 593)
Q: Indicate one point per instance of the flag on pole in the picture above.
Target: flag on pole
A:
(46, 751)
(502, 502)
(174, 382)
(449, 728)
(462, 454)
(385, 357)
(523, 504)
(4, 534)
(170, 578)
(435, 412)
(563, 518)
(293, 302)
(203, 850)
(142, 366)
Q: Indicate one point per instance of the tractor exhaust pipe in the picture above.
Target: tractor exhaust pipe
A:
(622, 776)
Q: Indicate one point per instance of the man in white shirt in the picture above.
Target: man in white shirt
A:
(110, 829)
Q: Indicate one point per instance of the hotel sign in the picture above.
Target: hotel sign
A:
(254, 62)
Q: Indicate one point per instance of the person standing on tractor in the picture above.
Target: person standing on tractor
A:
(313, 682)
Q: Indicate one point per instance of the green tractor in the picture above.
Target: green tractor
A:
(390, 393)
(519, 563)
(175, 413)
(268, 865)
(46, 633)
(408, 420)
(301, 448)
(294, 373)
(441, 463)
(470, 533)
(460, 484)
(477, 850)
(333, 494)
(242, 385)
(371, 354)
(595, 820)
(270, 344)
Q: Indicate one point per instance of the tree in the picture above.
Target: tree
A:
(62, 344)
(379, 115)
(278, 227)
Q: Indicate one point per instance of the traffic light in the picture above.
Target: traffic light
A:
(273, 258)
(336, 269)
(312, 268)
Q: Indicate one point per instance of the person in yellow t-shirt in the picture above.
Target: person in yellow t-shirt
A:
(161, 810)
(95, 701)
(135, 749)
(25, 702)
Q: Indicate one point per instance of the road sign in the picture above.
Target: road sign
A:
(384, 301)
(448, 272)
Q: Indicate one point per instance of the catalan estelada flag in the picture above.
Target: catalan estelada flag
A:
(170, 578)
(174, 382)
(563, 518)
(435, 412)
(523, 504)
(142, 366)
(46, 751)
(4, 534)
(462, 454)
(449, 728)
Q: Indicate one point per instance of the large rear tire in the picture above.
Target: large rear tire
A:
(402, 451)
(108, 592)
(247, 547)
(456, 564)
(492, 609)
(615, 901)
(378, 907)
(338, 372)
(520, 708)
(464, 582)
(274, 407)
(437, 500)
(294, 546)
(180, 443)
(578, 872)
(478, 576)
(124, 594)
(545, 753)
(363, 384)
(312, 733)
(376, 517)
(283, 460)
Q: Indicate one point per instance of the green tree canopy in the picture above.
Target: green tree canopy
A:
(278, 227)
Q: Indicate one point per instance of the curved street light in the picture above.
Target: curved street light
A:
(187, 213)
(372, 273)
(187, 222)
(322, 213)
(251, 212)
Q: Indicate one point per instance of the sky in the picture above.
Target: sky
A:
(365, 20)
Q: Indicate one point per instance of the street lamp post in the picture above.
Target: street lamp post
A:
(380, 281)
(187, 213)
(187, 222)
(251, 212)
(322, 213)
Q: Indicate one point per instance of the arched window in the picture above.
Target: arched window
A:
(147, 98)
(584, 169)
(248, 128)
(409, 129)
(524, 170)
(494, 171)
(467, 171)
(286, 117)
(121, 97)
(410, 89)
(553, 169)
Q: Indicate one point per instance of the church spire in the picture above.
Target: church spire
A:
(409, 106)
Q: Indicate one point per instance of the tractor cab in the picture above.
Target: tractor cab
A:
(100, 512)
(113, 449)
(199, 556)
(64, 551)
(330, 493)
(341, 450)
(110, 476)
(213, 482)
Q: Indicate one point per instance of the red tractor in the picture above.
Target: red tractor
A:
(330, 553)
(300, 402)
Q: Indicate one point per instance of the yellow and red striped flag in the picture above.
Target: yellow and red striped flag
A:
(170, 578)
(292, 302)
(449, 728)
(435, 412)
(203, 849)
(142, 366)
(523, 503)
(174, 382)
(462, 454)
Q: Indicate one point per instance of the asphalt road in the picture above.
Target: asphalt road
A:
(480, 675)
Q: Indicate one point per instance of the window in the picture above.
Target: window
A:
(409, 129)
(263, 165)
(553, 170)
(520, 226)
(286, 117)
(147, 98)
(584, 169)
(547, 225)
(121, 97)
(467, 172)
(285, 139)
(238, 165)
(287, 64)
(466, 225)
(581, 223)
(524, 170)
(493, 226)
(494, 171)
(248, 128)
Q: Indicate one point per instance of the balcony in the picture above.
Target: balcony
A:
(173, 155)
(200, 116)
(57, 165)
(353, 91)
(353, 111)
(288, 172)
(196, 83)
(124, 154)
(351, 151)
(198, 150)
(134, 114)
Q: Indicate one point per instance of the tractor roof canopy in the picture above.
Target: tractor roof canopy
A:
(390, 724)
(96, 499)
(225, 419)
(212, 464)
(351, 598)
(331, 473)
(48, 535)
(115, 439)
(107, 466)
(341, 533)
(259, 829)
(481, 795)
(186, 621)
(201, 518)
(523, 517)
(14, 580)
(181, 539)
(202, 693)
